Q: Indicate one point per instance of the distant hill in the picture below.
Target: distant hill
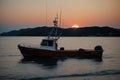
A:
(86, 31)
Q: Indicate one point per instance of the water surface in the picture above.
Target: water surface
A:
(14, 67)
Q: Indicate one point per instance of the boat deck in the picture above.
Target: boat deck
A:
(38, 47)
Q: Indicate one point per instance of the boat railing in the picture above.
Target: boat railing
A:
(80, 49)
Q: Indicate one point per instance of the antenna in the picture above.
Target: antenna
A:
(46, 12)
(60, 17)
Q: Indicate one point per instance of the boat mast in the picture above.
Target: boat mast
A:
(55, 22)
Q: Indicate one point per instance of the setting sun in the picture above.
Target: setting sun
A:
(75, 26)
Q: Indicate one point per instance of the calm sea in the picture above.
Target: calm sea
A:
(14, 67)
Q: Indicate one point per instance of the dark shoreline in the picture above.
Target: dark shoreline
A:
(69, 32)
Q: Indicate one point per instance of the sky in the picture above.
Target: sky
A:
(17, 14)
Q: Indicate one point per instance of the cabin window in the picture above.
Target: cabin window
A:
(44, 43)
(50, 43)
(47, 43)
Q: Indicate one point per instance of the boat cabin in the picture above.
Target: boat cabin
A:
(48, 44)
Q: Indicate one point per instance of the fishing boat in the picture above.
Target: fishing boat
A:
(48, 48)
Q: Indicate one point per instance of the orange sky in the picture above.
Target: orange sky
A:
(81, 12)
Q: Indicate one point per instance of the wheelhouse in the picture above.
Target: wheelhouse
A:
(48, 44)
